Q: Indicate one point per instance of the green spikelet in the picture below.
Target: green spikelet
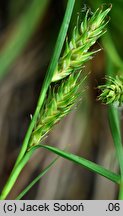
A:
(83, 37)
(62, 97)
(57, 105)
(112, 92)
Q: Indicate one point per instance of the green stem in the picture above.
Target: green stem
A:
(54, 60)
(120, 196)
(23, 156)
(115, 130)
(14, 174)
(114, 122)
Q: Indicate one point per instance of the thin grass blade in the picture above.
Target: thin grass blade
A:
(23, 158)
(114, 123)
(36, 179)
(116, 134)
(49, 74)
(85, 163)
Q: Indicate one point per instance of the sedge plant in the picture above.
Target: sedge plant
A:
(112, 90)
(112, 95)
(65, 72)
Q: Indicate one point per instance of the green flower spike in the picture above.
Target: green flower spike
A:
(57, 105)
(84, 36)
(112, 92)
(62, 97)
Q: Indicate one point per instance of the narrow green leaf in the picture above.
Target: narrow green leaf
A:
(116, 134)
(21, 160)
(24, 28)
(114, 123)
(49, 74)
(115, 131)
(86, 163)
(36, 179)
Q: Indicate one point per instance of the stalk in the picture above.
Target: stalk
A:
(64, 96)
(60, 101)
(112, 94)
(115, 130)
(22, 158)
(48, 78)
(14, 175)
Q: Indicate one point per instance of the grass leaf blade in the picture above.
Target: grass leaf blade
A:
(50, 71)
(36, 180)
(116, 134)
(86, 163)
(49, 74)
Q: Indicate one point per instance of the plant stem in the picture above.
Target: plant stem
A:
(114, 122)
(120, 196)
(115, 130)
(25, 156)
(14, 174)
(54, 60)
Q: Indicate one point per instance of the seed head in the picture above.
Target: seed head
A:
(84, 36)
(112, 92)
(57, 105)
(62, 97)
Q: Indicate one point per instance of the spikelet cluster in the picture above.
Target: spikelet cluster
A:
(61, 98)
(84, 36)
(57, 105)
(112, 91)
